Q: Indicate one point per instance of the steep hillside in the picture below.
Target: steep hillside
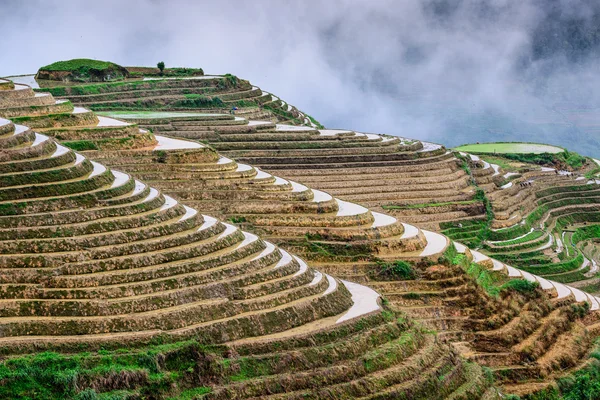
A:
(96, 260)
(527, 329)
(177, 302)
(404, 176)
(539, 215)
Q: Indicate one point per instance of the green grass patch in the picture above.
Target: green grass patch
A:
(449, 255)
(569, 158)
(502, 162)
(175, 72)
(489, 281)
(529, 237)
(199, 101)
(81, 145)
(586, 233)
(531, 153)
(79, 63)
(154, 114)
(159, 371)
(522, 286)
(467, 234)
(494, 283)
(555, 268)
(238, 219)
(243, 103)
(569, 277)
(509, 148)
(397, 270)
(509, 233)
(591, 288)
(82, 70)
(483, 277)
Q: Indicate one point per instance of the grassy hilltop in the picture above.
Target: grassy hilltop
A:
(82, 70)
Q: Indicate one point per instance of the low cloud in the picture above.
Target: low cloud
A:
(450, 71)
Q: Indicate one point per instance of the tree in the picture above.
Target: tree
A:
(161, 66)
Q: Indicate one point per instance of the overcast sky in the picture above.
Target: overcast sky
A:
(417, 68)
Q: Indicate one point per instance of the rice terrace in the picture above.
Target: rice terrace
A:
(510, 148)
(171, 234)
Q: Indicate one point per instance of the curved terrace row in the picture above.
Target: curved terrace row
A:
(105, 260)
(403, 176)
(536, 210)
(444, 298)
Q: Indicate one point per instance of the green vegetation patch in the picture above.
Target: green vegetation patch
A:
(586, 232)
(397, 270)
(492, 282)
(592, 173)
(79, 64)
(175, 72)
(531, 153)
(560, 160)
(521, 285)
(488, 280)
(582, 384)
(471, 232)
(156, 371)
(82, 70)
(500, 161)
(154, 114)
(529, 237)
(509, 147)
(81, 145)
(199, 101)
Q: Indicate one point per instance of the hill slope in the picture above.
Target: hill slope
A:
(475, 302)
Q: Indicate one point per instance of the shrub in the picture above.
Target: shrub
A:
(569, 158)
(583, 384)
(199, 101)
(81, 145)
(485, 279)
(574, 160)
(585, 233)
(231, 79)
(449, 255)
(397, 270)
(522, 286)
(161, 156)
(88, 394)
(237, 219)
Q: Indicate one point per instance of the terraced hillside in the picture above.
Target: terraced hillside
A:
(103, 261)
(208, 93)
(405, 177)
(95, 259)
(279, 209)
(540, 220)
(88, 233)
(351, 241)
